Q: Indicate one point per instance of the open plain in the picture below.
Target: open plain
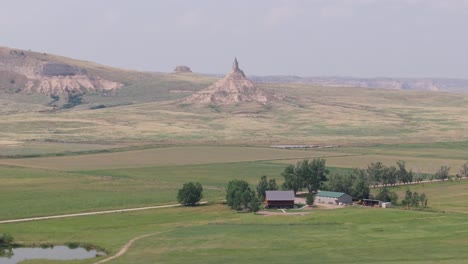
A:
(136, 147)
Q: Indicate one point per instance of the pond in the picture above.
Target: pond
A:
(15, 255)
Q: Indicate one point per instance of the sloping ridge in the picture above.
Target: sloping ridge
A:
(33, 72)
(233, 88)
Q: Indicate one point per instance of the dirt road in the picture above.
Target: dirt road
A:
(89, 213)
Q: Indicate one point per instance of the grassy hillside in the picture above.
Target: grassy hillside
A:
(316, 116)
(147, 110)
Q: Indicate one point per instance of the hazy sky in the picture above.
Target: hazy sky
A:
(361, 38)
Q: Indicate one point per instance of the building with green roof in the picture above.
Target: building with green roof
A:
(335, 198)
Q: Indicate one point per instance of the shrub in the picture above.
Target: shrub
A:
(310, 198)
(6, 240)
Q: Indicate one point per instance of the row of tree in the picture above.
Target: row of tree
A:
(414, 199)
(239, 195)
(382, 175)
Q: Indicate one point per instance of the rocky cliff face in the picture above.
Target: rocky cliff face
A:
(233, 88)
(32, 72)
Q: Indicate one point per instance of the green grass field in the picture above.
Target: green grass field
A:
(450, 196)
(38, 192)
(213, 233)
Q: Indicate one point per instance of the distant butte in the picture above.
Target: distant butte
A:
(232, 89)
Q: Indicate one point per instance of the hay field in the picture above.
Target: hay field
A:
(164, 156)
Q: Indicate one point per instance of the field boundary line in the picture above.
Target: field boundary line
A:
(90, 213)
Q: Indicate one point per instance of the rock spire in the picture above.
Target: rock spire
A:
(232, 89)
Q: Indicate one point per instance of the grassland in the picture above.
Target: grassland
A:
(448, 196)
(213, 233)
(312, 115)
(38, 192)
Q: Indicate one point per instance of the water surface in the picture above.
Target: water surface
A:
(53, 253)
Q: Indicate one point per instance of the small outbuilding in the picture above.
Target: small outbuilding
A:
(279, 199)
(333, 198)
(371, 202)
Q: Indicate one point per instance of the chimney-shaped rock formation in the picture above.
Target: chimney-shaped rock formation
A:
(233, 88)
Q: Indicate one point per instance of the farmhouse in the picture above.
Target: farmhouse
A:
(279, 199)
(333, 198)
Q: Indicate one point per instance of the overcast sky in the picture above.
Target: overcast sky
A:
(361, 38)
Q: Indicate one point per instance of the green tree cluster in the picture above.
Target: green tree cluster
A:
(190, 194)
(240, 197)
(355, 183)
(414, 199)
(265, 185)
(380, 174)
(305, 174)
(384, 194)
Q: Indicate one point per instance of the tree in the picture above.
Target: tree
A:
(384, 194)
(315, 175)
(360, 187)
(340, 182)
(292, 180)
(190, 194)
(443, 173)
(272, 186)
(308, 174)
(410, 176)
(464, 170)
(262, 187)
(375, 172)
(414, 199)
(389, 175)
(418, 177)
(265, 185)
(402, 173)
(423, 199)
(239, 196)
(408, 198)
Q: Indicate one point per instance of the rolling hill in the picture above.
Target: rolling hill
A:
(146, 108)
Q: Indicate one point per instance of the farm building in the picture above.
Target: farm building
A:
(279, 199)
(371, 202)
(333, 198)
